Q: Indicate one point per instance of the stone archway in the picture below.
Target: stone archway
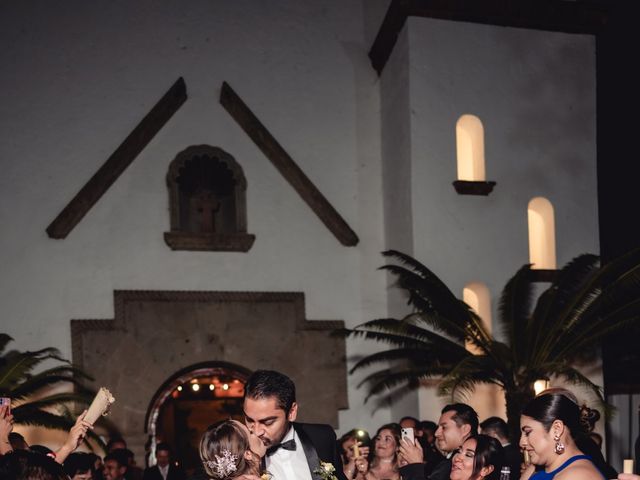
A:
(218, 396)
(157, 333)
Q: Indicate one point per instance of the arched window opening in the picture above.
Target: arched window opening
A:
(470, 157)
(542, 234)
(470, 148)
(477, 296)
(207, 198)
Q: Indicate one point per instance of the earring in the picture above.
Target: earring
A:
(559, 448)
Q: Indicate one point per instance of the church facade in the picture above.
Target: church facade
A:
(213, 183)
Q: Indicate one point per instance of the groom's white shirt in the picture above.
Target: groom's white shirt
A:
(289, 464)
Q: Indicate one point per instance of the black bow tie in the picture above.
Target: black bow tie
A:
(288, 445)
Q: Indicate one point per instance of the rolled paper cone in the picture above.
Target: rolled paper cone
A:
(627, 466)
(100, 405)
(356, 450)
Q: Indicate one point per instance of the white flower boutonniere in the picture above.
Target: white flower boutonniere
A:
(326, 471)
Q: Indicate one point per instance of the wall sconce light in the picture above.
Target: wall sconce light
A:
(540, 386)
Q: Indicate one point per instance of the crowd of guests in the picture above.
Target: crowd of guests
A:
(554, 441)
(555, 437)
(21, 461)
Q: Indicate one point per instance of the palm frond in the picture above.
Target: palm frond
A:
(590, 337)
(58, 399)
(26, 415)
(437, 358)
(4, 341)
(400, 381)
(17, 365)
(388, 338)
(573, 290)
(62, 374)
(514, 311)
(408, 326)
(427, 292)
(469, 372)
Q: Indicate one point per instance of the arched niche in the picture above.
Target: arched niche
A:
(470, 157)
(207, 201)
(542, 234)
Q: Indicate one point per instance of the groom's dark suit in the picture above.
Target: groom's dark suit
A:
(319, 444)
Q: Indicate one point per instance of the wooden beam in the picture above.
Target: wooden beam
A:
(119, 160)
(286, 166)
(550, 15)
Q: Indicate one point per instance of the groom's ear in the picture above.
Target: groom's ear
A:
(293, 412)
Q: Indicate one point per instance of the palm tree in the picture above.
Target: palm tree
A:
(30, 402)
(562, 329)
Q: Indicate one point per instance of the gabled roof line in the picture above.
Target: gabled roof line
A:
(119, 160)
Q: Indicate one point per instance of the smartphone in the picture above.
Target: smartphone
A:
(363, 437)
(6, 401)
(408, 434)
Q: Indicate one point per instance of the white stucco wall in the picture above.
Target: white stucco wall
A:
(535, 94)
(78, 76)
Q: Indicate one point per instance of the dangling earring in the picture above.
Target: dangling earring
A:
(559, 448)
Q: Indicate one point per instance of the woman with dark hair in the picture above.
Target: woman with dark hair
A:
(479, 458)
(228, 450)
(550, 425)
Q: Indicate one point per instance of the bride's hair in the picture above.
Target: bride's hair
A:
(222, 449)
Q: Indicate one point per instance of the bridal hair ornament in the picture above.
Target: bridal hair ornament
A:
(224, 465)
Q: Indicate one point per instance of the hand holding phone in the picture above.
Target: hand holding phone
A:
(6, 401)
(408, 434)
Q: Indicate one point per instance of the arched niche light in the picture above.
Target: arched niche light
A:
(470, 157)
(542, 234)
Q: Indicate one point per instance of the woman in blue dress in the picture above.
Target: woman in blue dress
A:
(549, 425)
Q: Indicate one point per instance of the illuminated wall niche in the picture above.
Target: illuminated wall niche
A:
(542, 234)
(476, 295)
(470, 148)
(470, 154)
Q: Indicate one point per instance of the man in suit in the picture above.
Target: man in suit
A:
(115, 465)
(458, 422)
(164, 469)
(497, 428)
(294, 450)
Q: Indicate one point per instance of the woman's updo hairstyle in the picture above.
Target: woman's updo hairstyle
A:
(489, 451)
(556, 404)
(222, 449)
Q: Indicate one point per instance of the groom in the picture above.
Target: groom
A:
(294, 450)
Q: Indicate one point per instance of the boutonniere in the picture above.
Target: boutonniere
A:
(326, 471)
(266, 476)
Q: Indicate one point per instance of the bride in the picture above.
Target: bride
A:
(229, 451)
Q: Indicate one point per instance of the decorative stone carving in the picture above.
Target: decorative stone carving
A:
(207, 201)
